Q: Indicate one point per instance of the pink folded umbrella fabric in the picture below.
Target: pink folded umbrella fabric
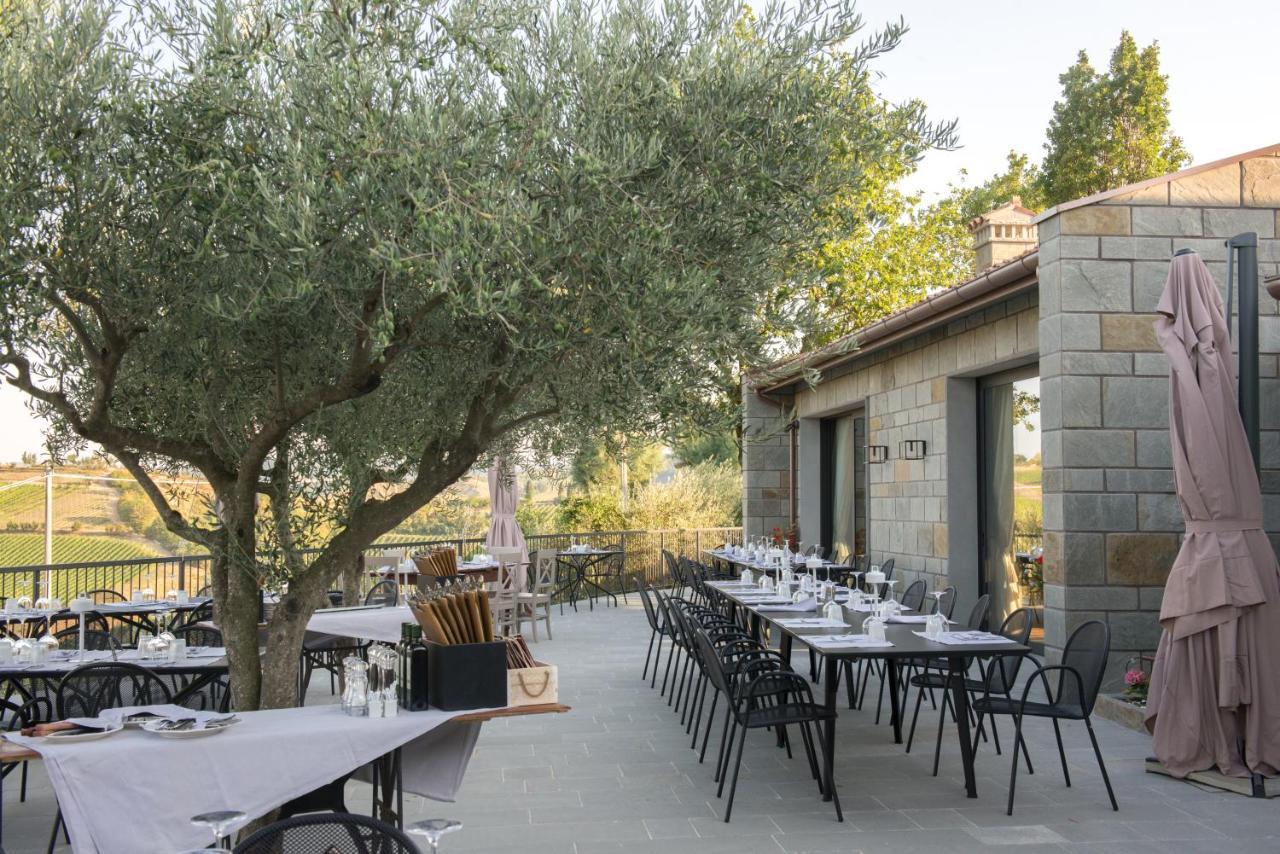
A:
(1216, 677)
(504, 531)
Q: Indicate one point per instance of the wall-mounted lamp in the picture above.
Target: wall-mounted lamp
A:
(1273, 286)
(877, 453)
(912, 449)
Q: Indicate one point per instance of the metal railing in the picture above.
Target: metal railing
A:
(643, 558)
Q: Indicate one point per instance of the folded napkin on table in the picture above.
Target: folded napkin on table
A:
(812, 623)
(788, 605)
(966, 638)
(838, 641)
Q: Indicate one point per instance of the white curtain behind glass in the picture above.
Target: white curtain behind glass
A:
(999, 568)
(844, 464)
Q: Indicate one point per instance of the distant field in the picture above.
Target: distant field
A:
(28, 549)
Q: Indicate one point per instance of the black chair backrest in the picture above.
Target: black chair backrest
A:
(948, 606)
(670, 561)
(668, 620)
(90, 688)
(196, 635)
(55, 625)
(1017, 628)
(711, 664)
(913, 596)
(328, 833)
(104, 595)
(13, 717)
(1086, 653)
(385, 592)
(649, 613)
(94, 639)
(978, 613)
(887, 569)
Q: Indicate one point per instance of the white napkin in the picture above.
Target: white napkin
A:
(168, 711)
(846, 641)
(965, 638)
(907, 618)
(812, 623)
(806, 605)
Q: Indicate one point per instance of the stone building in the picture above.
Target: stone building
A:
(940, 391)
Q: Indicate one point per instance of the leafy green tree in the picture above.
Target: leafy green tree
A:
(877, 247)
(720, 446)
(1020, 179)
(1110, 128)
(328, 257)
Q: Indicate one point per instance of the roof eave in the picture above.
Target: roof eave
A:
(916, 318)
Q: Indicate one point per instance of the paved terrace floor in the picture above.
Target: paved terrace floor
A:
(617, 775)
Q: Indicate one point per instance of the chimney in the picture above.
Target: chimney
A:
(1003, 233)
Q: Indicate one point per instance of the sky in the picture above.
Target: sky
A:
(993, 65)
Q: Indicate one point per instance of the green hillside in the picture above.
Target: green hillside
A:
(28, 549)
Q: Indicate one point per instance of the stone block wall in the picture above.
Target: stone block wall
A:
(1112, 520)
(766, 464)
(903, 390)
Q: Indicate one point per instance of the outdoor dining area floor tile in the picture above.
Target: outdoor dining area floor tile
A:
(616, 776)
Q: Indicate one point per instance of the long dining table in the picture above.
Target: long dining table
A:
(904, 642)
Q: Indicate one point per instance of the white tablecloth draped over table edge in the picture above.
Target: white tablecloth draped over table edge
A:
(136, 791)
(377, 624)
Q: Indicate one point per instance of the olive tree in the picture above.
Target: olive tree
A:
(329, 255)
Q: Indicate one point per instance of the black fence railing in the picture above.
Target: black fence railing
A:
(643, 550)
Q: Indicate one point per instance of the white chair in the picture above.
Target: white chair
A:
(502, 594)
(542, 578)
(388, 565)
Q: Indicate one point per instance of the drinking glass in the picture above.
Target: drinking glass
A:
(937, 593)
(219, 823)
(433, 829)
(890, 583)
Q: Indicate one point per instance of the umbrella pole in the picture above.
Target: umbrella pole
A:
(1245, 247)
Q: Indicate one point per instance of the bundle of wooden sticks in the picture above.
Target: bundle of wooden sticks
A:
(518, 654)
(454, 613)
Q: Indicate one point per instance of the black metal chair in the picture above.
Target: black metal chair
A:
(13, 717)
(614, 568)
(328, 834)
(1084, 662)
(674, 570)
(913, 597)
(105, 595)
(94, 639)
(768, 697)
(657, 631)
(60, 623)
(385, 593)
(90, 688)
(87, 690)
(948, 602)
(327, 653)
(199, 635)
(1000, 675)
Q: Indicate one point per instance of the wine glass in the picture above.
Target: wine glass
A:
(219, 823)
(433, 829)
(939, 590)
(889, 583)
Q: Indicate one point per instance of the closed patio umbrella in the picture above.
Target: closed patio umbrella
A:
(1216, 678)
(504, 531)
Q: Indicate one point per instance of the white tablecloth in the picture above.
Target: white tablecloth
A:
(136, 792)
(377, 624)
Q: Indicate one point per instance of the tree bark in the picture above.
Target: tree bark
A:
(235, 587)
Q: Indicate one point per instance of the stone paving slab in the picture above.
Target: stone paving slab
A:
(616, 776)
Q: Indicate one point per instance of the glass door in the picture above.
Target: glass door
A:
(1011, 510)
(844, 528)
